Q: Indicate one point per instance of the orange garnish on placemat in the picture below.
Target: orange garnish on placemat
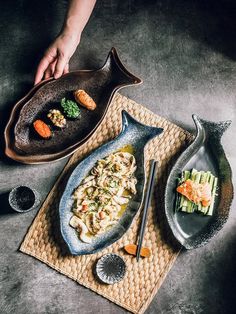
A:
(132, 250)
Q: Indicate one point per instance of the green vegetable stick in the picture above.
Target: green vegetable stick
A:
(185, 204)
(213, 195)
(177, 201)
(186, 174)
(211, 180)
(189, 206)
(207, 177)
(204, 179)
(198, 177)
(183, 200)
(193, 174)
(184, 207)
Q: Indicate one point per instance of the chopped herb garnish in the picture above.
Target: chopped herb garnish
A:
(70, 108)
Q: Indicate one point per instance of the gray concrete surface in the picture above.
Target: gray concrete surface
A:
(185, 52)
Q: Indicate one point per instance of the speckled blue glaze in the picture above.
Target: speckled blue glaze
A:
(133, 133)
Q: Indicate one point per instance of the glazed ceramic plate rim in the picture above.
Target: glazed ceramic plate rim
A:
(37, 159)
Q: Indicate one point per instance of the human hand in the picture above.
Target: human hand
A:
(55, 61)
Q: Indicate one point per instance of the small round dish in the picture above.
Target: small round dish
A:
(110, 268)
(23, 199)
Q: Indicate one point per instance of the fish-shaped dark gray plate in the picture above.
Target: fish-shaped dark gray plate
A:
(205, 153)
(133, 133)
(23, 144)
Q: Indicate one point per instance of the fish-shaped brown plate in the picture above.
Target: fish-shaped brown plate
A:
(21, 141)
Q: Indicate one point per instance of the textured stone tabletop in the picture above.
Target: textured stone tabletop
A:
(185, 52)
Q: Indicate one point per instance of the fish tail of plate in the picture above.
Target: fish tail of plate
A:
(122, 76)
(137, 131)
(210, 132)
(210, 129)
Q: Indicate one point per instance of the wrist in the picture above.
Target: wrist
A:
(72, 31)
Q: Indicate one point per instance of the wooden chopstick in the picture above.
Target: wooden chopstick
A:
(150, 186)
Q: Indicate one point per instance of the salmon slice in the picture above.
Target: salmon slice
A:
(196, 192)
(42, 129)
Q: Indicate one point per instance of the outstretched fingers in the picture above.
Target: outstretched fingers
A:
(43, 65)
(50, 70)
(54, 64)
(48, 58)
(61, 65)
(66, 69)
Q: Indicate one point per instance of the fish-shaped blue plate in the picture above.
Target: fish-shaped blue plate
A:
(133, 133)
(205, 153)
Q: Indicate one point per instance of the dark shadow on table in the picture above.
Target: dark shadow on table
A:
(52, 216)
(211, 22)
(5, 208)
(27, 28)
(219, 280)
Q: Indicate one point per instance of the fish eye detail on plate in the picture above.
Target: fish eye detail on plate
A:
(102, 197)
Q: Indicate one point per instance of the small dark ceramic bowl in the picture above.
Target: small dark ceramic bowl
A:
(23, 199)
(110, 268)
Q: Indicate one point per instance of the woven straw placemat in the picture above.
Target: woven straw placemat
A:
(143, 279)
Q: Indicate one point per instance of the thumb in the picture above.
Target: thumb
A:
(60, 66)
